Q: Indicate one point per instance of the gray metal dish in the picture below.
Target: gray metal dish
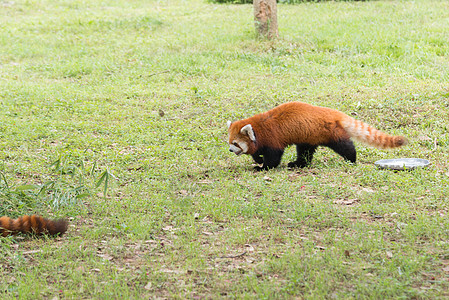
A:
(401, 164)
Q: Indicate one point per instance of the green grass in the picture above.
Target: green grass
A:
(141, 91)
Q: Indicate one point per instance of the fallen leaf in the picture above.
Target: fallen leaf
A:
(173, 271)
(266, 178)
(233, 256)
(205, 181)
(105, 256)
(424, 138)
(148, 286)
(345, 201)
(249, 248)
(293, 176)
(31, 251)
(401, 225)
(389, 254)
(169, 228)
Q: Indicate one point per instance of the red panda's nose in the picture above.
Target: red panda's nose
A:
(230, 150)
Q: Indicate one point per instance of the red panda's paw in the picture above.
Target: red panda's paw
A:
(258, 168)
(258, 159)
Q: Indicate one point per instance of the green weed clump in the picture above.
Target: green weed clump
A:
(66, 185)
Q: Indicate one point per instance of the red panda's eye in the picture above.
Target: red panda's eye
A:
(235, 144)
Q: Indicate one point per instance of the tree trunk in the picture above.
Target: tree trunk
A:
(265, 17)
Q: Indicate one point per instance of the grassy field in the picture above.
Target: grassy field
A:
(113, 115)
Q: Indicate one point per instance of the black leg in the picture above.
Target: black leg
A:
(271, 158)
(257, 157)
(345, 148)
(305, 154)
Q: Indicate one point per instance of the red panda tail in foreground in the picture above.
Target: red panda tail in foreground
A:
(265, 136)
(32, 224)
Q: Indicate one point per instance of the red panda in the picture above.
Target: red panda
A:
(265, 136)
(32, 224)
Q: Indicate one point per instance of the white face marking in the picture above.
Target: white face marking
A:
(244, 146)
(229, 124)
(238, 147)
(235, 149)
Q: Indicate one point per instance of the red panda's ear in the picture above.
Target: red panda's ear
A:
(248, 130)
(229, 124)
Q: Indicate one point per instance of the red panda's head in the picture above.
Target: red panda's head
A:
(242, 139)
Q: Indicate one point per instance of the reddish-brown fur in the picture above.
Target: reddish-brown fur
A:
(304, 124)
(297, 123)
(32, 224)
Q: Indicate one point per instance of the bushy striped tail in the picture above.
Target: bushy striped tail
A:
(371, 136)
(32, 224)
